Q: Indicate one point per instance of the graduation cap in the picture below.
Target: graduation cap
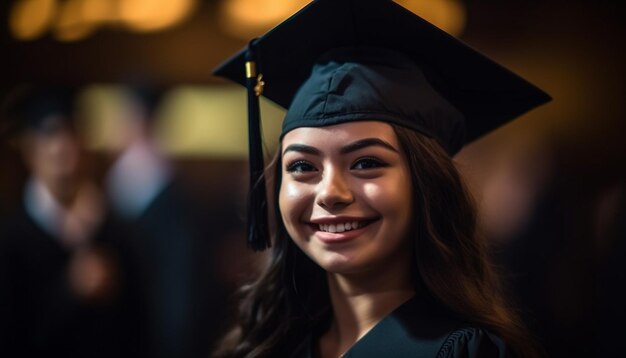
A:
(337, 61)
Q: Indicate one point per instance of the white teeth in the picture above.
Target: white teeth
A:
(342, 227)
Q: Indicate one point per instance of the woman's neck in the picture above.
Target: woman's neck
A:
(359, 302)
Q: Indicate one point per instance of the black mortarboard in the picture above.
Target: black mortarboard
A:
(344, 60)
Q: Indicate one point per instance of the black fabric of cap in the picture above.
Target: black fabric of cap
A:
(487, 94)
(381, 85)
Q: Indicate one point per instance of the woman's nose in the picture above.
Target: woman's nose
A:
(334, 190)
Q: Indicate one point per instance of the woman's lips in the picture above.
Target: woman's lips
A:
(340, 231)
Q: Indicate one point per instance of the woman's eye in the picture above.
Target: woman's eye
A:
(300, 166)
(368, 163)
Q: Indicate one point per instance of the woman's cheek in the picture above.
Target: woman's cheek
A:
(291, 190)
(389, 197)
(292, 202)
(376, 195)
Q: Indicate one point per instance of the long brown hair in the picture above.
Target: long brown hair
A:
(290, 295)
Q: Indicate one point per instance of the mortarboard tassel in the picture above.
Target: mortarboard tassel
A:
(258, 233)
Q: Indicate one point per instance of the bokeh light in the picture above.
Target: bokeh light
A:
(152, 15)
(71, 23)
(448, 15)
(249, 18)
(29, 19)
(72, 20)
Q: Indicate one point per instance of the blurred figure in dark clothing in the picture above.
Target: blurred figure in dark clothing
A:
(541, 224)
(58, 276)
(167, 258)
(610, 293)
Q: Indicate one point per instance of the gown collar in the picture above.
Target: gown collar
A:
(418, 325)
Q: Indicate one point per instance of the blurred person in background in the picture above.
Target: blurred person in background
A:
(560, 243)
(58, 276)
(523, 217)
(166, 256)
(610, 295)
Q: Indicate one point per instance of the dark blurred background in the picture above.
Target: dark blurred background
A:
(551, 186)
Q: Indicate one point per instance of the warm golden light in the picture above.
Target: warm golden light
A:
(212, 121)
(98, 11)
(71, 24)
(72, 20)
(152, 15)
(30, 19)
(190, 120)
(249, 18)
(448, 15)
(100, 109)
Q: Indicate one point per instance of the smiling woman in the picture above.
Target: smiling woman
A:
(375, 251)
(337, 176)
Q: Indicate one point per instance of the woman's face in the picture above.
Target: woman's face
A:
(345, 195)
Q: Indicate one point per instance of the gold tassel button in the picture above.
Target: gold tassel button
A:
(250, 69)
(258, 88)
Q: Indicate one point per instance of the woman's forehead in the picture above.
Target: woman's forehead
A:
(340, 134)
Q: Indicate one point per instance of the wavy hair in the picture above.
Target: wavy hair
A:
(451, 261)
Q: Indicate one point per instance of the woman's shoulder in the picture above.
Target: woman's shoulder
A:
(420, 328)
(472, 342)
(417, 329)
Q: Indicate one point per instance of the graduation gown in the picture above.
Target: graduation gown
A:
(39, 313)
(418, 329)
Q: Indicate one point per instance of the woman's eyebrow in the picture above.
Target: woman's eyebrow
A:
(302, 148)
(367, 142)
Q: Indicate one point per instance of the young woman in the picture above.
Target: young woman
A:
(375, 252)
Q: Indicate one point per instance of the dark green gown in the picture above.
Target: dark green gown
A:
(418, 329)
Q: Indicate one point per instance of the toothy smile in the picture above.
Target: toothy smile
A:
(341, 227)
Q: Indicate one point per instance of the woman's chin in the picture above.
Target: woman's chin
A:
(335, 263)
